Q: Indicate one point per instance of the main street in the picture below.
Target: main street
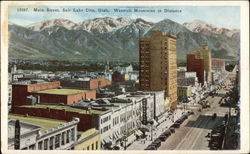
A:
(192, 133)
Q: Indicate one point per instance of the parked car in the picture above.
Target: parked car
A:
(177, 125)
(190, 112)
(167, 133)
(151, 147)
(156, 143)
(162, 137)
(172, 129)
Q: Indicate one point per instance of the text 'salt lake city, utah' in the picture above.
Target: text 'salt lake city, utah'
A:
(123, 77)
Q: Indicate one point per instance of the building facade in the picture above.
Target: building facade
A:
(87, 84)
(196, 65)
(184, 92)
(89, 140)
(202, 55)
(61, 137)
(218, 65)
(48, 92)
(158, 69)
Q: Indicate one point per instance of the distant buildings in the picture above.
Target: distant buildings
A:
(86, 83)
(188, 87)
(158, 65)
(38, 133)
(116, 118)
(199, 61)
(118, 77)
(47, 92)
(218, 65)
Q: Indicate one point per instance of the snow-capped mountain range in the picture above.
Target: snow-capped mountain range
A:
(205, 28)
(113, 38)
(100, 25)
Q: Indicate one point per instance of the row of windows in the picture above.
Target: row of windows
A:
(94, 146)
(103, 120)
(115, 121)
(69, 137)
(106, 128)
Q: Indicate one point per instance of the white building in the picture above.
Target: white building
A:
(32, 137)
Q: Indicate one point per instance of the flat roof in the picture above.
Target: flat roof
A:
(61, 91)
(44, 123)
(61, 107)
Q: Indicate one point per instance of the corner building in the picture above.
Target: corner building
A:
(158, 70)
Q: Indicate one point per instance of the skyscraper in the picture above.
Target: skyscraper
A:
(158, 70)
(204, 56)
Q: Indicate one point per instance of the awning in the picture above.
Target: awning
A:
(116, 135)
(110, 137)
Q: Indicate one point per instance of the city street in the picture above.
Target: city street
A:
(192, 133)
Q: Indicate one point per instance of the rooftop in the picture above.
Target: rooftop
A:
(87, 133)
(61, 91)
(63, 107)
(44, 123)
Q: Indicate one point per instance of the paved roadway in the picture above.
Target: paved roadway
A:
(192, 133)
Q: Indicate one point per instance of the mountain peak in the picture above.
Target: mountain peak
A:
(200, 26)
(103, 25)
(198, 21)
(50, 23)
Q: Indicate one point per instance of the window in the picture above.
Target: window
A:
(63, 134)
(32, 147)
(96, 145)
(40, 145)
(88, 148)
(45, 144)
(51, 143)
(92, 146)
(73, 134)
(57, 141)
(67, 137)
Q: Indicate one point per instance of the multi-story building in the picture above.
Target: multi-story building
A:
(89, 140)
(196, 65)
(158, 69)
(184, 92)
(116, 118)
(199, 61)
(47, 92)
(218, 65)
(118, 77)
(188, 87)
(36, 133)
(86, 83)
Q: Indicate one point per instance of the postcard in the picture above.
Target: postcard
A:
(132, 76)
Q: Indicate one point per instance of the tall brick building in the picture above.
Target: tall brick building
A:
(196, 65)
(202, 54)
(158, 70)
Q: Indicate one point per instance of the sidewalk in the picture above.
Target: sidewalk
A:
(143, 143)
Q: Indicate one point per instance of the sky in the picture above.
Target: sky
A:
(219, 16)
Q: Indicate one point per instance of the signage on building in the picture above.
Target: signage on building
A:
(144, 111)
(17, 134)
